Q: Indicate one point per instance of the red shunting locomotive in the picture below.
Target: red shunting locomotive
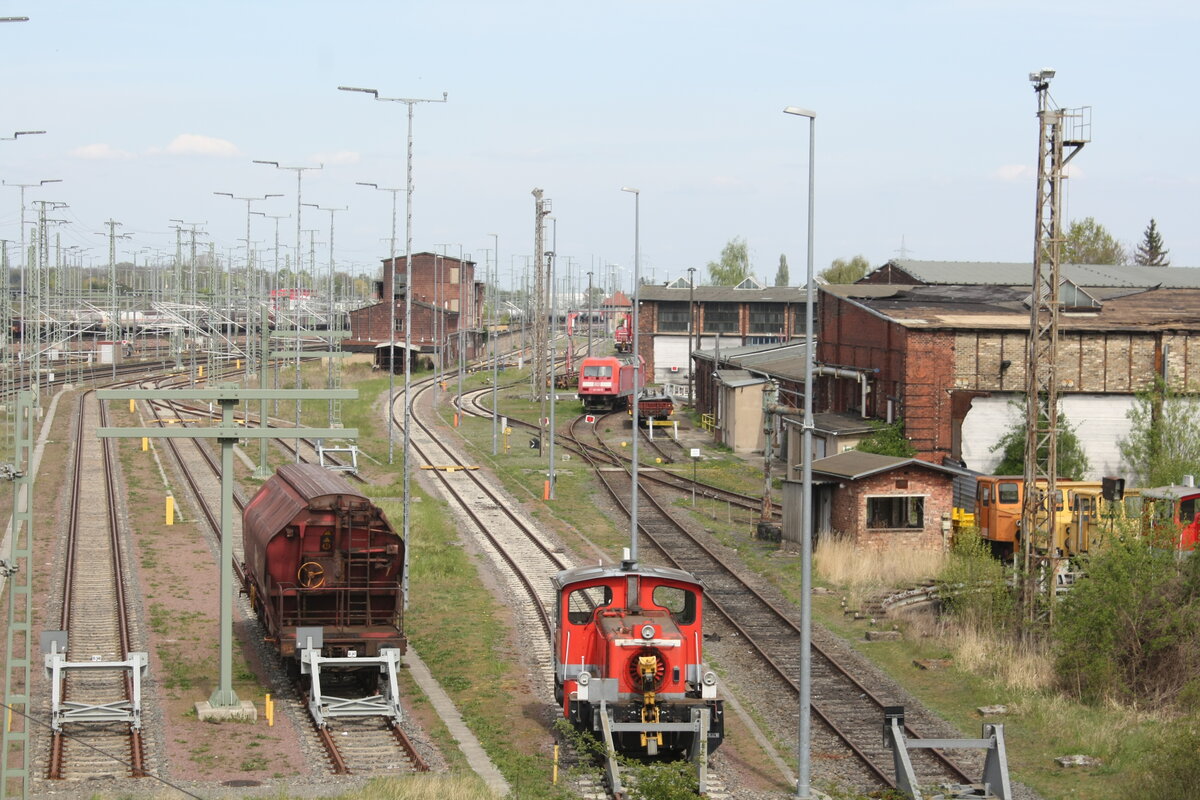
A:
(319, 553)
(627, 659)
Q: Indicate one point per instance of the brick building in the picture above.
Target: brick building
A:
(445, 296)
(879, 501)
(950, 358)
(674, 320)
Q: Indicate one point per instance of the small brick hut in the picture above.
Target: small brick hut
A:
(879, 501)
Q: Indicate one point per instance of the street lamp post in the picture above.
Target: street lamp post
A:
(249, 347)
(495, 342)
(551, 262)
(591, 315)
(299, 185)
(390, 283)
(332, 305)
(691, 333)
(410, 102)
(802, 785)
(25, 252)
(637, 370)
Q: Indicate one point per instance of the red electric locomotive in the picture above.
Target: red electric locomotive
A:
(606, 382)
(320, 554)
(627, 659)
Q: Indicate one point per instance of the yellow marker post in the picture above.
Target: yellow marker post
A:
(269, 711)
(170, 510)
(132, 406)
(237, 363)
(555, 779)
(201, 368)
(145, 443)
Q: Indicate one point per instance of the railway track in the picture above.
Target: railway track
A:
(522, 556)
(473, 404)
(95, 614)
(357, 746)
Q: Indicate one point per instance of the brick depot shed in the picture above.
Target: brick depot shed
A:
(881, 501)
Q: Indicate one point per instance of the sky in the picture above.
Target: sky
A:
(926, 134)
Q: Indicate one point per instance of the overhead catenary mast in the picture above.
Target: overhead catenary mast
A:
(1056, 147)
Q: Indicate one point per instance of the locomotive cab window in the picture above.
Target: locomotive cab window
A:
(1007, 494)
(597, 371)
(985, 495)
(680, 602)
(582, 603)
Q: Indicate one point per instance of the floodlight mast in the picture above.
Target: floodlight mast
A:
(410, 102)
(391, 287)
(637, 370)
(803, 784)
(1038, 509)
(299, 176)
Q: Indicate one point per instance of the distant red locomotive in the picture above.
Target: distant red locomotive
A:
(624, 338)
(318, 553)
(628, 663)
(606, 382)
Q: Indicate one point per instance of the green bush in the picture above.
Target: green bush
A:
(972, 585)
(1128, 629)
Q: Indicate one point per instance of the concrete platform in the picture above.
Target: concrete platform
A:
(245, 711)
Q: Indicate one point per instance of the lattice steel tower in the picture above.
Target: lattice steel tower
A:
(1062, 133)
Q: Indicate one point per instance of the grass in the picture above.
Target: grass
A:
(463, 634)
(1040, 725)
(859, 573)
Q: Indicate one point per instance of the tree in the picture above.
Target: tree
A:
(1164, 440)
(843, 271)
(781, 277)
(1151, 253)
(1088, 242)
(595, 299)
(887, 439)
(734, 266)
(1072, 463)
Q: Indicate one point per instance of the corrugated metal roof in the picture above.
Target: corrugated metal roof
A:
(737, 378)
(723, 294)
(750, 350)
(1001, 273)
(997, 307)
(833, 422)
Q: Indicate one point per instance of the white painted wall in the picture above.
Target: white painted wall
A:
(671, 350)
(1099, 421)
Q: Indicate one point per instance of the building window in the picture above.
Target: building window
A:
(672, 317)
(720, 317)
(896, 512)
(766, 318)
